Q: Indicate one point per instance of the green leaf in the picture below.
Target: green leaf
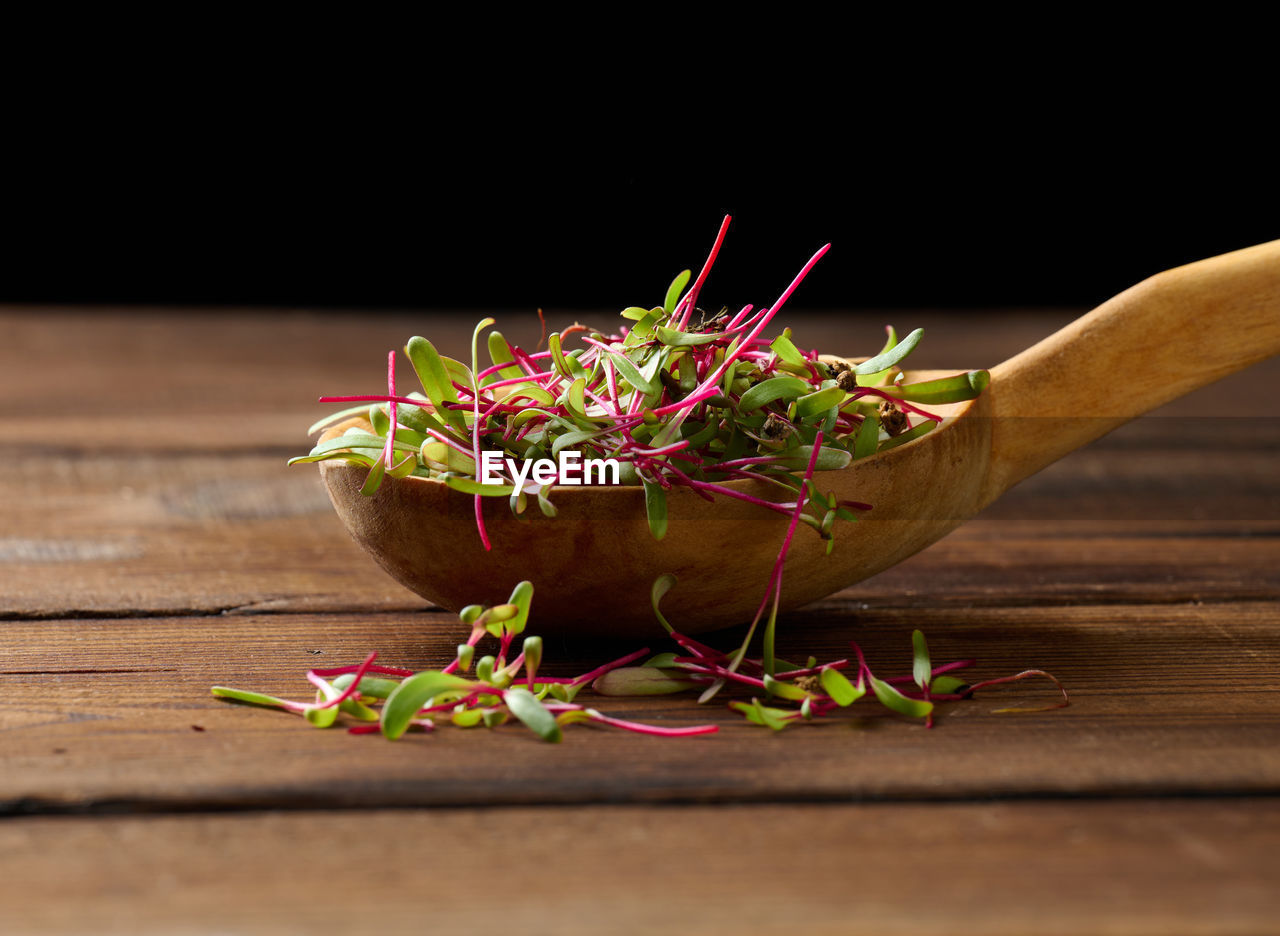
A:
(948, 684)
(891, 698)
(375, 687)
(357, 439)
(577, 437)
(762, 715)
(528, 709)
(522, 598)
(558, 360)
(254, 698)
(643, 327)
(784, 690)
(871, 380)
(661, 585)
(321, 717)
(357, 410)
(891, 357)
(631, 374)
(466, 653)
(768, 391)
(945, 389)
(435, 380)
(786, 350)
(444, 457)
(661, 660)
(642, 681)
(814, 403)
(564, 692)
(358, 710)
(635, 313)
(655, 505)
(497, 618)
(532, 649)
(353, 457)
(524, 391)
(412, 694)
(837, 685)
(829, 459)
(679, 339)
(471, 486)
(373, 480)
(674, 290)
(467, 718)
(544, 502)
(921, 668)
(867, 441)
(575, 398)
(500, 352)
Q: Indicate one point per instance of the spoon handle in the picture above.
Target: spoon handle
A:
(1164, 337)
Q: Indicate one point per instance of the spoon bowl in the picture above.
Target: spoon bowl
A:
(593, 565)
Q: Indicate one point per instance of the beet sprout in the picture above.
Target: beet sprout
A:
(675, 403)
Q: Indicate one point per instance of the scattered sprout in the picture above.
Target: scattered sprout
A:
(675, 402)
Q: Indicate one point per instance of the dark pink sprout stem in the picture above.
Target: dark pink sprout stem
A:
(476, 634)
(710, 386)
(1025, 674)
(351, 690)
(389, 450)
(601, 670)
(691, 297)
(475, 454)
(335, 671)
(655, 730)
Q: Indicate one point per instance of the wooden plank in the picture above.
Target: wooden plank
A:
(145, 465)
(182, 380)
(1170, 867)
(103, 714)
(174, 534)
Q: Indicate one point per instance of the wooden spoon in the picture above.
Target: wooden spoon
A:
(593, 565)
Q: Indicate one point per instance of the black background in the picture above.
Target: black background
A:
(237, 176)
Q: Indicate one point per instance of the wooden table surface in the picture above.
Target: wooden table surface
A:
(153, 543)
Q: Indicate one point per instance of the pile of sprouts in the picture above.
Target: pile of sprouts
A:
(677, 397)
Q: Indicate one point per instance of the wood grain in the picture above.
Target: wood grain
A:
(152, 543)
(187, 534)
(99, 715)
(1157, 866)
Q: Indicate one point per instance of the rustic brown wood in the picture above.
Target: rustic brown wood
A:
(1040, 406)
(171, 534)
(1129, 867)
(182, 381)
(152, 543)
(1165, 699)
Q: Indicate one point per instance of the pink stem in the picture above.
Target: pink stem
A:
(351, 690)
(601, 670)
(638, 728)
(389, 448)
(691, 297)
(331, 672)
(874, 391)
(476, 634)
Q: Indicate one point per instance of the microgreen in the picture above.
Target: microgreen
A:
(497, 692)
(677, 397)
(503, 689)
